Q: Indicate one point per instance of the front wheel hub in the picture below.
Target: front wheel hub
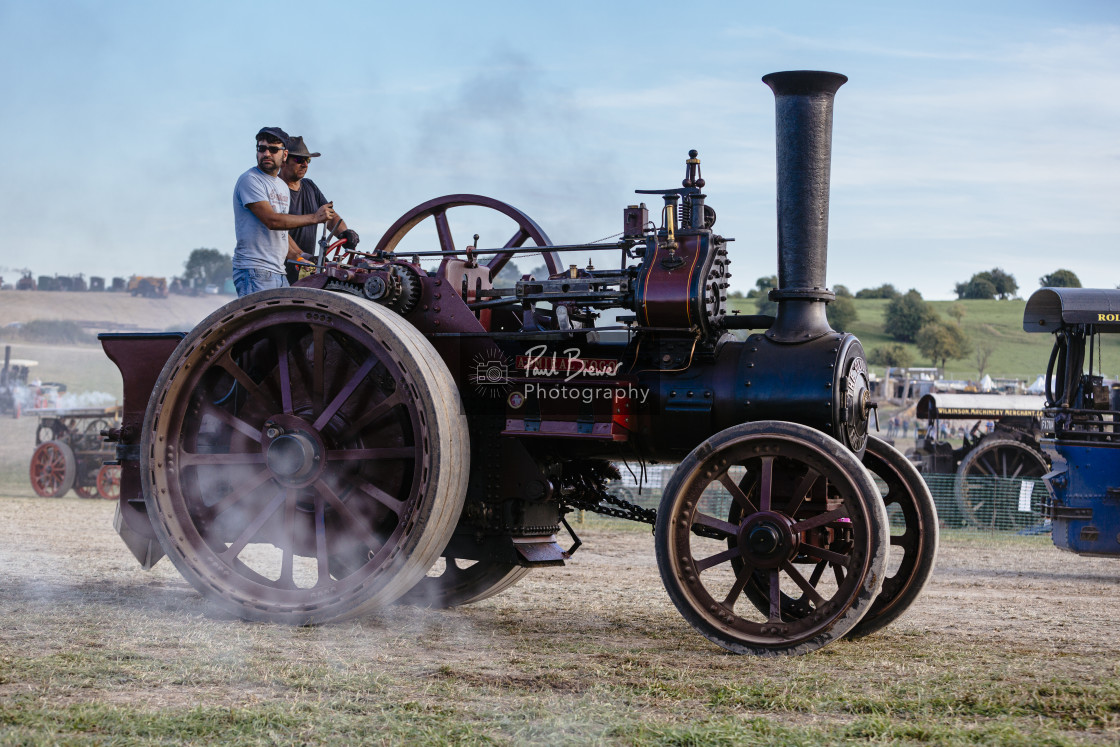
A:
(766, 539)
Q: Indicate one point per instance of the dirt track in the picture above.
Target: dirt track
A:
(1011, 591)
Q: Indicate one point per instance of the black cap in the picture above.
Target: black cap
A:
(274, 132)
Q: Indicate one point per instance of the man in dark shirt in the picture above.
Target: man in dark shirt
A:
(306, 199)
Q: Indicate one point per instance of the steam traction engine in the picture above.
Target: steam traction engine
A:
(1081, 422)
(380, 433)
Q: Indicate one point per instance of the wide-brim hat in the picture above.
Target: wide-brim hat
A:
(274, 132)
(296, 147)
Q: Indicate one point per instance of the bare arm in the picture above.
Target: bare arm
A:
(293, 249)
(275, 221)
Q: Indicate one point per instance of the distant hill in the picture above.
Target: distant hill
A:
(108, 312)
(1018, 354)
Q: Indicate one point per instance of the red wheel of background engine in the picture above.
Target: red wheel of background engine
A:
(109, 481)
(53, 469)
(86, 490)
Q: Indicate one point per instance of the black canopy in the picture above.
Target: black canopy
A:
(1049, 309)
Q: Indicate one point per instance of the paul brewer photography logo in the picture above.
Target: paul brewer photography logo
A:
(544, 375)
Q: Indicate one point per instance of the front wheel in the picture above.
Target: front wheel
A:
(784, 513)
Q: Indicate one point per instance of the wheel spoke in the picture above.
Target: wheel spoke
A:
(318, 366)
(232, 421)
(289, 550)
(254, 526)
(227, 364)
(822, 554)
(443, 231)
(805, 586)
(714, 560)
(775, 596)
(818, 571)
(238, 493)
(371, 416)
(348, 517)
(820, 520)
(499, 261)
(766, 483)
(742, 499)
(344, 394)
(355, 531)
(193, 459)
(801, 491)
(518, 239)
(388, 452)
(984, 466)
(322, 560)
(724, 528)
(280, 340)
(742, 577)
(381, 497)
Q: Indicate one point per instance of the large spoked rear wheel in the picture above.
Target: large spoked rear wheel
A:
(804, 522)
(305, 456)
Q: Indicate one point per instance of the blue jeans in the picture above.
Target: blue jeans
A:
(250, 280)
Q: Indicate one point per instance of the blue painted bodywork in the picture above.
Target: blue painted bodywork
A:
(1084, 487)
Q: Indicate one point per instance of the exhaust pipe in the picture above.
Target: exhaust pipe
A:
(804, 137)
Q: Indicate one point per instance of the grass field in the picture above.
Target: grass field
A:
(95, 651)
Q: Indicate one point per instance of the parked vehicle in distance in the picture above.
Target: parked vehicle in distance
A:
(998, 463)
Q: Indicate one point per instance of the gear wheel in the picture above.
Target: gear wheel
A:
(385, 290)
(410, 289)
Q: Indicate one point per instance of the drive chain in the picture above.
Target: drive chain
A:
(592, 499)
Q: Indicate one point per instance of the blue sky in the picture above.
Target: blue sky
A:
(970, 135)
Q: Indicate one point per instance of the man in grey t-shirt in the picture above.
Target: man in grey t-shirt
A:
(260, 217)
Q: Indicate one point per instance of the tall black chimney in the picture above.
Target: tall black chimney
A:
(804, 136)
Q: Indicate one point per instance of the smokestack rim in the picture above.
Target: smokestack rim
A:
(802, 82)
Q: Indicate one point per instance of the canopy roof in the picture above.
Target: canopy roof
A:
(980, 406)
(1049, 309)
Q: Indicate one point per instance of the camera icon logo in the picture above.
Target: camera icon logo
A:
(490, 374)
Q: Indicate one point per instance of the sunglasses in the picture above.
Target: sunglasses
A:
(300, 159)
(273, 149)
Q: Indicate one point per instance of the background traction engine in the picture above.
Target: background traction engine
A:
(384, 433)
(1081, 422)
